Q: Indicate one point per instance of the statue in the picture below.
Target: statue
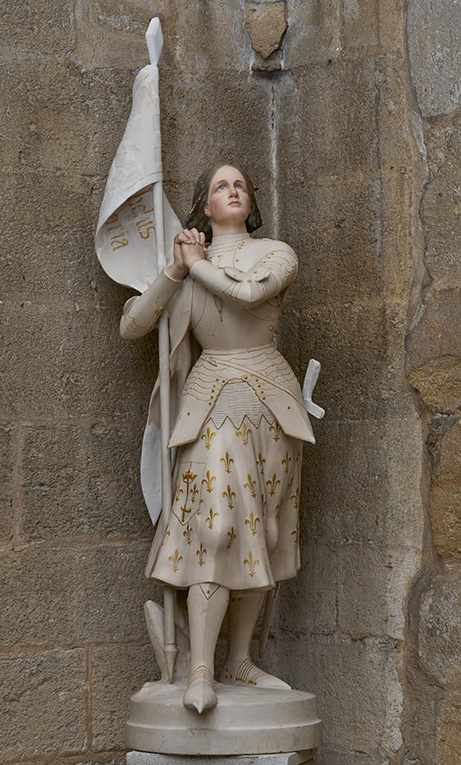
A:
(229, 530)
(233, 529)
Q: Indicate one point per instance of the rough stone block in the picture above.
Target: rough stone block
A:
(111, 33)
(83, 482)
(197, 38)
(436, 335)
(60, 119)
(434, 60)
(439, 384)
(344, 495)
(331, 757)
(116, 673)
(372, 588)
(313, 33)
(445, 507)
(360, 24)
(43, 703)
(440, 633)
(441, 215)
(404, 514)
(437, 134)
(6, 495)
(209, 37)
(353, 681)
(308, 603)
(334, 230)
(327, 122)
(350, 343)
(70, 596)
(448, 733)
(83, 368)
(266, 25)
(37, 29)
(47, 221)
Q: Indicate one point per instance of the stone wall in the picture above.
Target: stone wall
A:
(350, 128)
(433, 679)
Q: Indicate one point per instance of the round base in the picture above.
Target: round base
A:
(245, 721)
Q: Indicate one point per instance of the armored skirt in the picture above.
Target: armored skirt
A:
(234, 519)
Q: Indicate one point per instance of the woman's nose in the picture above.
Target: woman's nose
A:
(233, 192)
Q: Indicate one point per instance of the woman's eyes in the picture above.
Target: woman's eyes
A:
(237, 186)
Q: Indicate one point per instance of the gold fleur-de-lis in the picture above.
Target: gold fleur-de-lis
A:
(193, 493)
(166, 534)
(178, 492)
(250, 485)
(251, 521)
(295, 498)
(297, 456)
(211, 516)
(272, 483)
(295, 533)
(175, 559)
(187, 533)
(286, 462)
(244, 432)
(260, 463)
(231, 536)
(201, 552)
(208, 481)
(229, 494)
(275, 427)
(263, 504)
(207, 437)
(227, 462)
(251, 562)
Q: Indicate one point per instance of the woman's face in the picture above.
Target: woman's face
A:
(228, 199)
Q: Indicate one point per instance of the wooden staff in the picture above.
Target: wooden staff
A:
(154, 40)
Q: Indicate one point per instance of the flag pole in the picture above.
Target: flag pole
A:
(154, 40)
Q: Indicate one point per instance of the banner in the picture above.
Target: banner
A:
(125, 234)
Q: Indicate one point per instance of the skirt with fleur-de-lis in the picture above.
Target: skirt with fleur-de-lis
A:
(234, 519)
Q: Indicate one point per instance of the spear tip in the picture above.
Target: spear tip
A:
(154, 40)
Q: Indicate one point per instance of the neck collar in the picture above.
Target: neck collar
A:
(230, 238)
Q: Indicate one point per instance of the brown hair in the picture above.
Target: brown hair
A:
(197, 218)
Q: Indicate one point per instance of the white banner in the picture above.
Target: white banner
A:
(125, 235)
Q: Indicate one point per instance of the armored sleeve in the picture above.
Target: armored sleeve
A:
(274, 273)
(141, 312)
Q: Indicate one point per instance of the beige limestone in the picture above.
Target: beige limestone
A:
(448, 727)
(446, 494)
(439, 646)
(266, 24)
(74, 595)
(434, 59)
(71, 488)
(43, 692)
(438, 382)
(117, 671)
(6, 494)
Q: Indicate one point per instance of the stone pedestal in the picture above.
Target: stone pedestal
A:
(246, 721)
(290, 758)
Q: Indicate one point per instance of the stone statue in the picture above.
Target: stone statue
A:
(239, 425)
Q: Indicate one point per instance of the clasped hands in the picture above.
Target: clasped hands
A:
(189, 247)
